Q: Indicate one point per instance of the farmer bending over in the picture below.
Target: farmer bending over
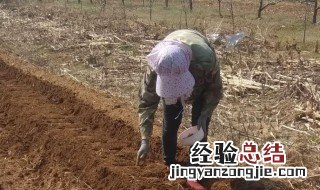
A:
(182, 69)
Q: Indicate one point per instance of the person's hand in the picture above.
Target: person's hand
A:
(202, 123)
(143, 151)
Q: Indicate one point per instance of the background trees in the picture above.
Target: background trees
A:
(315, 12)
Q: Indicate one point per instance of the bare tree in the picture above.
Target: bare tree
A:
(305, 24)
(185, 13)
(184, 9)
(167, 3)
(190, 5)
(232, 16)
(150, 8)
(219, 1)
(124, 11)
(262, 7)
(315, 12)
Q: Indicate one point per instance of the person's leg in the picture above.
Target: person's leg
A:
(171, 121)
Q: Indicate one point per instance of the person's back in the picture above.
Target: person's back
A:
(201, 50)
(203, 64)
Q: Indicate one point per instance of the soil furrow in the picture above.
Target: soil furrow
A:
(59, 142)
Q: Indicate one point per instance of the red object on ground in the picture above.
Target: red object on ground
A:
(195, 185)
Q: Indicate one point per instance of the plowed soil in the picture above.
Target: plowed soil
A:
(58, 134)
(51, 140)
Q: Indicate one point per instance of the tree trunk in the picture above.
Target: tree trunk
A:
(260, 8)
(190, 5)
(167, 3)
(122, 2)
(150, 9)
(186, 17)
(219, 1)
(232, 16)
(305, 25)
(315, 12)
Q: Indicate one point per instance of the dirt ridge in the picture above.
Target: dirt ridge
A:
(57, 133)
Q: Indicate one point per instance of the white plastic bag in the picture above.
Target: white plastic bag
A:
(233, 40)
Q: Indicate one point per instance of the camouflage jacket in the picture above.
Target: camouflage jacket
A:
(204, 68)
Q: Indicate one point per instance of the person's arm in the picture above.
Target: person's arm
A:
(148, 103)
(212, 94)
